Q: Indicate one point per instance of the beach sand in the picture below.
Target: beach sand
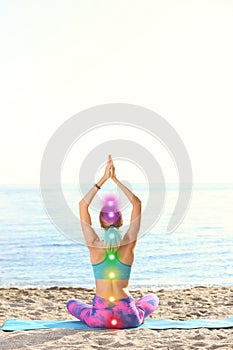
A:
(205, 302)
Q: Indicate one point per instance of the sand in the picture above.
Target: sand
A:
(210, 302)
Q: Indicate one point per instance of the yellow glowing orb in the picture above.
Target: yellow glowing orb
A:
(111, 274)
(111, 299)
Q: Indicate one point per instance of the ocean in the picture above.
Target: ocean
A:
(200, 252)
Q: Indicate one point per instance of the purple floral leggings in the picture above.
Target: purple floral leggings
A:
(123, 313)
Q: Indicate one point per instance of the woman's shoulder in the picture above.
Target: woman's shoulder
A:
(125, 245)
(97, 255)
(125, 252)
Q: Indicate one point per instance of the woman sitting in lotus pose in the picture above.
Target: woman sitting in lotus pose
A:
(112, 258)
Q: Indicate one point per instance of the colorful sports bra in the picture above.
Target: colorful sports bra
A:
(111, 268)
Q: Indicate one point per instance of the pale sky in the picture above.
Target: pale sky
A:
(61, 57)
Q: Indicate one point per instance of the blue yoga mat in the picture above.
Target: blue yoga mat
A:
(14, 324)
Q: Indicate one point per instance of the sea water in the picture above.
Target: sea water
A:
(33, 253)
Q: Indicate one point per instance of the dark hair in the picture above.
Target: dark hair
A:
(112, 217)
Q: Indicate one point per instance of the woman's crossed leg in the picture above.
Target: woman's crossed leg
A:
(125, 313)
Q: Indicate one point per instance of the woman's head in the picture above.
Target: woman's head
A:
(110, 217)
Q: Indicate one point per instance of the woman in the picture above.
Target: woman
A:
(112, 258)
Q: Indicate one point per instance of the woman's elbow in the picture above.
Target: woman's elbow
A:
(82, 203)
(136, 200)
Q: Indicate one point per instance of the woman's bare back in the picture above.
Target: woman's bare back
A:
(106, 288)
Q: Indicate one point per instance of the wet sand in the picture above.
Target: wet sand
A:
(204, 302)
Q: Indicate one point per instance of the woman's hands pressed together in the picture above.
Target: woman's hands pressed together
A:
(110, 171)
(108, 168)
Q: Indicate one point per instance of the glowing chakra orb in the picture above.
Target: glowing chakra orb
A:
(111, 214)
(114, 322)
(111, 256)
(110, 203)
(111, 235)
(111, 275)
(111, 299)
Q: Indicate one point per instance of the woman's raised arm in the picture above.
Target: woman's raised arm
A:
(135, 220)
(89, 234)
